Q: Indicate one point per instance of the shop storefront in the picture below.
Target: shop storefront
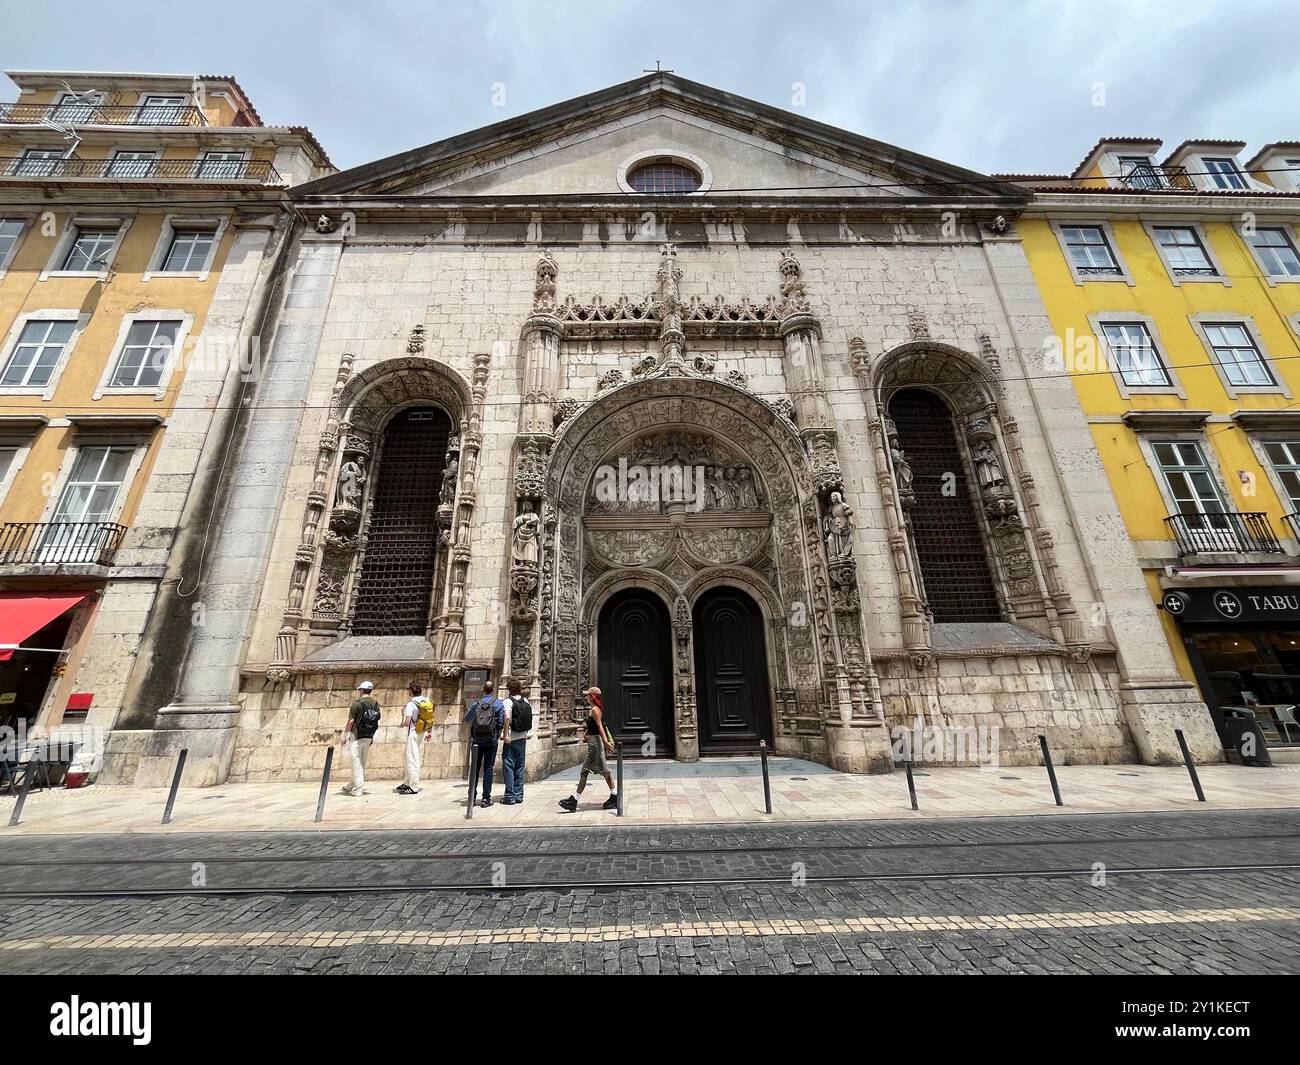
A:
(1244, 646)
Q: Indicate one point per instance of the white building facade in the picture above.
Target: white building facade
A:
(740, 417)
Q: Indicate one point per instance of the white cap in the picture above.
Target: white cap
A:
(365, 686)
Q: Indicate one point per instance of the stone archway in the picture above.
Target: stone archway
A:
(330, 555)
(737, 495)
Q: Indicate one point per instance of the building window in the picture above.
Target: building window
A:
(1285, 457)
(144, 357)
(1137, 172)
(10, 230)
(73, 109)
(1234, 349)
(90, 250)
(1134, 355)
(38, 351)
(188, 251)
(1090, 253)
(945, 528)
(160, 110)
(131, 165)
(219, 166)
(1183, 251)
(90, 493)
(397, 577)
(1276, 252)
(664, 175)
(7, 456)
(1224, 173)
(1191, 484)
(40, 162)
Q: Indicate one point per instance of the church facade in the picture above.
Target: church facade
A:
(743, 418)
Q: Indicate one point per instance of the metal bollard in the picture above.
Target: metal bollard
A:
(767, 783)
(176, 784)
(325, 782)
(1191, 766)
(22, 794)
(475, 762)
(1051, 771)
(911, 784)
(618, 747)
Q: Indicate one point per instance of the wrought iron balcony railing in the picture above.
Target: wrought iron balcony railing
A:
(1293, 522)
(35, 543)
(259, 171)
(1150, 176)
(1229, 533)
(72, 114)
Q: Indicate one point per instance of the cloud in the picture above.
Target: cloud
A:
(996, 86)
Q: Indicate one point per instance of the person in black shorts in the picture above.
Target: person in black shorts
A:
(598, 743)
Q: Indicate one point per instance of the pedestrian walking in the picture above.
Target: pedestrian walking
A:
(485, 717)
(418, 719)
(598, 743)
(518, 722)
(363, 723)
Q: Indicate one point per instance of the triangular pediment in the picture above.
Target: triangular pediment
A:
(586, 148)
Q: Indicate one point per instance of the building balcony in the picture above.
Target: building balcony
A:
(1229, 533)
(244, 171)
(59, 543)
(1151, 176)
(100, 115)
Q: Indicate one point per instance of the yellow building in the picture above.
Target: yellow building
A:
(1173, 288)
(139, 215)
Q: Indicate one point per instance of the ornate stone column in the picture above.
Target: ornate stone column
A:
(448, 629)
(295, 618)
(894, 477)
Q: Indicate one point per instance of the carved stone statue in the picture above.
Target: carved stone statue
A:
(988, 469)
(352, 483)
(745, 490)
(527, 528)
(837, 528)
(449, 476)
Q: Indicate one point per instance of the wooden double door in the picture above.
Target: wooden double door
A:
(634, 670)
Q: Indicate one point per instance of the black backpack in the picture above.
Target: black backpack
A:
(521, 714)
(367, 722)
(485, 719)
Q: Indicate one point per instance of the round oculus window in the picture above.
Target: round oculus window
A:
(664, 176)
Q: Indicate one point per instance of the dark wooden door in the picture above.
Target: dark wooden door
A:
(731, 673)
(634, 670)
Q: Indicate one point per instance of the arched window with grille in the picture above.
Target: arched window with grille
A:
(401, 554)
(946, 528)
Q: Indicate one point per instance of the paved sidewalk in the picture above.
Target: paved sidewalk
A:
(720, 791)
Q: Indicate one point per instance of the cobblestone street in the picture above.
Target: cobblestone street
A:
(1201, 892)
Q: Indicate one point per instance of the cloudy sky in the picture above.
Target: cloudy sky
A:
(997, 86)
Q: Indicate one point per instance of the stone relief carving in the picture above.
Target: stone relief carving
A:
(665, 468)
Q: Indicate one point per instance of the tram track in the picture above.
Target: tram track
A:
(471, 887)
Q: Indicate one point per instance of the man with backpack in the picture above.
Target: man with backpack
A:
(518, 719)
(485, 718)
(418, 718)
(363, 723)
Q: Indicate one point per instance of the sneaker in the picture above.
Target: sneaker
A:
(610, 804)
(347, 789)
(485, 804)
(405, 789)
(509, 802)
(358, 793)
(570, 804)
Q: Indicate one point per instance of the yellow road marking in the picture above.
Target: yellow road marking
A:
(330, 938)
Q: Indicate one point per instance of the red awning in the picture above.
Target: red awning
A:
(21, 615)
